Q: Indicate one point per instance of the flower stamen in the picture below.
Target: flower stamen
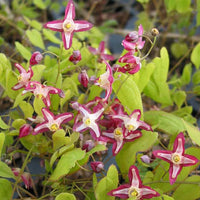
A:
(54, 127)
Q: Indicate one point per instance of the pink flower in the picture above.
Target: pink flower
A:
(133, 63)
(134, 189)
(23, 78)
(118, 138)
(133, 40)
(75, 57)
(43, 91)
(25, 130)
(83, 78)
(177, 158)
(132, 122)
(97, 166)
(100, 52)
(68, 26)
(87, 120)
(105, 81)
(26, 177)
(36, 58)
(51, 122)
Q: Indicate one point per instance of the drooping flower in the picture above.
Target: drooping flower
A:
(97, 166)
(100, 52)
(133, 40)
(133, 122)
(43, 91)
(177, 158)
(25, 130)
(106, 80)
(133, 63)
(23, 78)
(87, 120)
(117, 137)
(68, 26)
(134, 189)
(36, 58)
(75, 57)
(83, 78)
(51, 122)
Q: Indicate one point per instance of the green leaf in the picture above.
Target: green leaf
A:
(183, 6)
(38, 104)
(127, 156)
(27, 109)
(107, 184)
(5, 171)
(40, 4)
(5, 189)
(18, 123)
(157, 88)
(35, 24)
(23, 51)
(3, 125)
(188, 191)
(2, 139)
(186, 74)
(195, 58)
(142, 77)
(65, 196)
(128, 93)
(196, 77)
(35, 38)
(179, 49)
(51, 37)
(20, 98)
(193, 132)
(38, 72)
(66, 162)
(179, 98)
(165, 122)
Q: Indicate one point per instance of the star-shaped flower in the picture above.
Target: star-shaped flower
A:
(118, 138)
(42, 91)
(68, 26)
(177, 158)
(105, 81)
(134, 189)
(87, 120)
(51, 122)
(100, 52)
(23, 78)
(133, 122)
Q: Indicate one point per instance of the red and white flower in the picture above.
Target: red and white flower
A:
(177, 158)
(134, 189)
(68, 25)
(51, 122)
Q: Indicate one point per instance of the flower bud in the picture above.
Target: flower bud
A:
(83, 78)
(16, 171)
(36, 58)
(154, 32)
(26, 178)
(75, 57)
(89, 144)
(25, 130)
(97, 166)
(146, 159)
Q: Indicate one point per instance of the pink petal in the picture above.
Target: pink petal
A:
(95, 129)
(93, 50)
(63, 118)
(145, 126)
(80, 127)
(101, 47)
(18, 86)
(107, 57)
(188, 160)
(70, 10)
(56, 25)
(140, 30)
(48, 116)
(117, 146)
(132, 136)
(67, 39)
(81, 25)
(40, 128)
(121, 191)
(136, 114)
(174, 171)
(164, 155)
(179, 144)
(134, 177)
(148, 193)
(20, 68)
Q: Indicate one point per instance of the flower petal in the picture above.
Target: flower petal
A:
(179, 144)
(48, 116)
(174, 171)
(188, 160)
(164, 155)
(81, 25)
(56, 25)
(70, 10)
(121, 191)
(67, 39)
(148, 193)
(134, 177)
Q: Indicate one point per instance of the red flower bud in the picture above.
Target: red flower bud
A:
(25, 130)
(36, 58)
(97, 166)
(75, 57)
(89, 144)
(83, 78)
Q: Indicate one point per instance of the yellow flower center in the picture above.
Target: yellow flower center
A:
(19, 78)
(133, 193)
(68, 25)
(130, 127)
(54, 127)
(39, 96)
(118, 131)
(87, 121)
(176, 158)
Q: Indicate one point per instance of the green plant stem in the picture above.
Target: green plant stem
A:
(21, 172)
(59, 71)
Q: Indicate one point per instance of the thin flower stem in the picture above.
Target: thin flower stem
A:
(81, 191)
(61, 51)
(83, 167)
(49, 52)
